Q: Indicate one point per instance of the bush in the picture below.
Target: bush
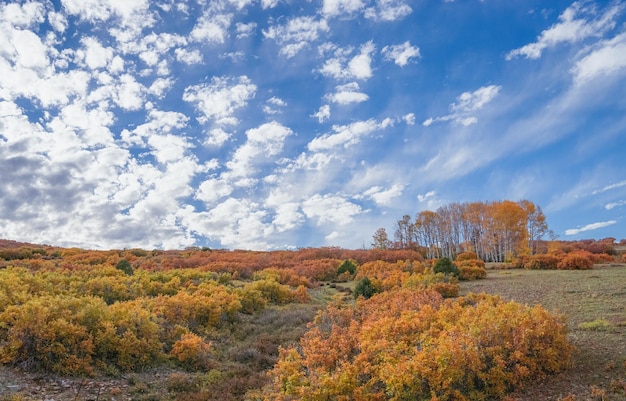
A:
(466, 256)
(348, 266)
(405, 345)
(577, 260)
(124, 265)
(444, 265)
(364, 288)
(542, 262)
(472, 272)
(192, 352)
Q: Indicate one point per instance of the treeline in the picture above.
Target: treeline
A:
(495, 231)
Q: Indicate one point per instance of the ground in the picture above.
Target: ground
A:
(593, 301)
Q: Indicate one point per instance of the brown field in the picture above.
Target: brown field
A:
(594, 303)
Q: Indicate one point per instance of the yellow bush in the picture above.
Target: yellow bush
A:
(192, 352)
(412, 345)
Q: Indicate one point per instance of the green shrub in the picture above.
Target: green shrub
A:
(364, 288)
(444, 265)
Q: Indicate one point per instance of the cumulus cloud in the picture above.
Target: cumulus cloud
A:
(346, 94)
(590, 227)
(388, 10)
(401, 54)
(467, 103)
(333, 8)
(333, 209)
(322, 114)
(358, 67)
(578, 22)
(262, 144)
(296, 34)
(220, 99)
(212, 27)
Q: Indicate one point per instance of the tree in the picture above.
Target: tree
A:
(381, 239)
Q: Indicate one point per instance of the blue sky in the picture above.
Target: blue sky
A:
(271, 124)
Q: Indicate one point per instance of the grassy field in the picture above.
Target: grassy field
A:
(594, 303)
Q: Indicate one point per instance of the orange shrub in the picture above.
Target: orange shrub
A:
(472, 272)
(542, 262)
(577, 260)
(192, 352)
(407, 345)
(466, 256)
(623, 258)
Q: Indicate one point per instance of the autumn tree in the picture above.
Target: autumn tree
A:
(381, 240)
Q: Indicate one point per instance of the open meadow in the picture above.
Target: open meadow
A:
(594, 304)
(210, 325)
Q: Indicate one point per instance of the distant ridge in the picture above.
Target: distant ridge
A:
(8, 243)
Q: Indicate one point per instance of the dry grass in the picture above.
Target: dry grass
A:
(594, 303)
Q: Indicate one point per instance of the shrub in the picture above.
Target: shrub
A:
(192, 352)
(348, 266)
(466, 256)
(124, 265)
(577, 260)
(542, 262)
(472, 272)
(406, 345)
(364, 288)
(444, 265)
(445, 285)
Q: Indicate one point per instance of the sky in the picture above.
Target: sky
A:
(284, 124)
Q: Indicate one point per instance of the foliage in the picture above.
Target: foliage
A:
(192, 352)
(364, 288)
(347, 266)
(470, 268)
(124, 265)
(405, 344)
(577, 260)
(444, 265)
(542, 262)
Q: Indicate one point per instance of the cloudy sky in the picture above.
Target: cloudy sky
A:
(270, 124)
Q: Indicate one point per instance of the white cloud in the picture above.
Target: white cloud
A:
(384, 196)
(322, 114)
(217, 137)
(409, 119)
(96, 55)
(606, 58)
(388, 10)
(609, 187)
(263, 143)
(466, 104)
(331, 209)
(296, 34)
(245, 30)
(347, 135)
(346, 94)
(401, 54)
(212, 27)
(24, 15)
(221, 98)
(187, 56)
(273, 105)
(570, 29)
(359, 67)
(333, 8)
(426, 196)
(590, 227)
(213, 189)
(613, 205)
